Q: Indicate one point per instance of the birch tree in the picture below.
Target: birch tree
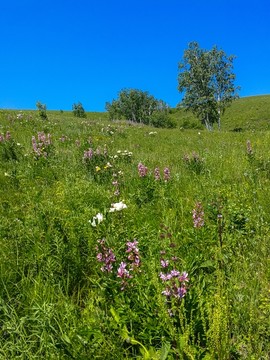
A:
(207, 81)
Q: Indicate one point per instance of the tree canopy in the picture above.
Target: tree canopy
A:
(207, 81)
(78, 110)
(139, 106)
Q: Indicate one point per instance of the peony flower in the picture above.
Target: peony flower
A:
(118, 207)
(97, 219)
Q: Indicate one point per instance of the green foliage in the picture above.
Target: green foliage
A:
(42, 110)
(56, 300)
(141, 107)
(78, 110)
(207, 80)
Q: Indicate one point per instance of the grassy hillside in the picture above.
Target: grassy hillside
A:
(250, 113)
(121, 241)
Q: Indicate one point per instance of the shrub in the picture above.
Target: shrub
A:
(78, 110)
(42, 109)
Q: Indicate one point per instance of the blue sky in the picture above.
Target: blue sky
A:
(64, 51)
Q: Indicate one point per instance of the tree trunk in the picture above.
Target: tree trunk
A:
(207, 123)
(219, 125)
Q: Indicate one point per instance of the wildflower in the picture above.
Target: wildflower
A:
(166, 292)
(98, 168)
(132, 246)
(133, 251)
(164, 263)
(180, 292)
(175, 273)
(167, 174)
(122, 271)
(117, 206)
(184, 277)
(198, 215)
(157, 174)
(98, 218)
(106, 256)
(165, 277)
(116, 192)
(88, 154)
(142, 169)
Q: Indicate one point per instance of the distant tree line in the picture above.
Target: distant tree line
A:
(205, 78)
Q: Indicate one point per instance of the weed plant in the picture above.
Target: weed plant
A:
(121, 242)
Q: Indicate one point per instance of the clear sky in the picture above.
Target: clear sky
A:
(64, 51)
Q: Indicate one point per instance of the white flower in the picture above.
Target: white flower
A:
(118, 207)
(99, 218)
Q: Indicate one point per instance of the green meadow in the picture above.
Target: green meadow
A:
(124, 241)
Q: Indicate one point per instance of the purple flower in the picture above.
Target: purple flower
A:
(175, 273)
(165, 277)
(106, 256)
(180, 292)
(132, 246)
(122, 272)
(88, 154)
(167, 292)
(142, 169)
(184, 277)
(198, 215)
(167, 174)
(157, 174)
(99, 257)
(164, 263)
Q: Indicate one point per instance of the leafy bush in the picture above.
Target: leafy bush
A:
(42, 110)
(162, 120)
(78, 110)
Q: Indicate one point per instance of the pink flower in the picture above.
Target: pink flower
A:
(184, 277)
(157, 174)
(164, 263)
(181, 292)
(167, 174)
(142, 169)
(198, 215)
(122, 272)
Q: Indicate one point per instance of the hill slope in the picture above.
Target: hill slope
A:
(248, 113)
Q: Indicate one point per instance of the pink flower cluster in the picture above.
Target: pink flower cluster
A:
(106, 256)
(41, 145)
(90, 153)
(176, 284)
(198, 215)
(143, 171)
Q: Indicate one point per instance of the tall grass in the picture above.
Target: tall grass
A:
(75, 288)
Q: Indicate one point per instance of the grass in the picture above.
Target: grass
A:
(57, 303)
(249, 113)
